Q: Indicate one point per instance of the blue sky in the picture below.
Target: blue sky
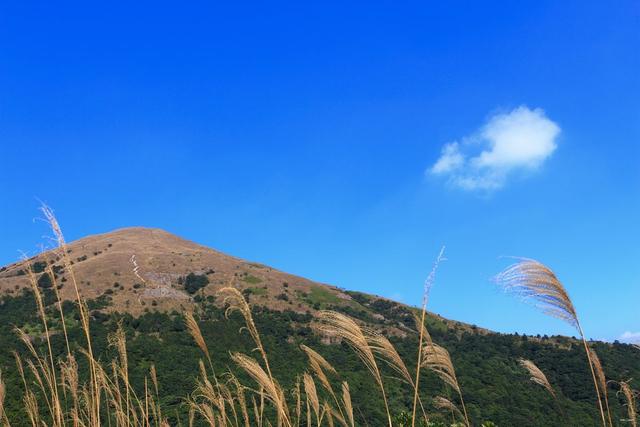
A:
(307, 137)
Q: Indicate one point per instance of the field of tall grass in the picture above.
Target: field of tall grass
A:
(57, 393)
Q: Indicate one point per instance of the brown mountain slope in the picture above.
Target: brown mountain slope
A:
(138, 269)
(105, 264)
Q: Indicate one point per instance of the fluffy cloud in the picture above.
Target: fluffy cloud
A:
(520, 140)
(630, 337)
(450, 160)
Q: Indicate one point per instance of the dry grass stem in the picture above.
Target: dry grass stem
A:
(272, 389)
(602, 381)
(84, 317)
(3, 392)
(537, 376)
(339, 325)
(319, 365)
(441, 402)
(630, 398)
(346, 402)
(312, 395)
(236, 302)
(437, 359)
(423, 333)
(196, 333)
(536, 283)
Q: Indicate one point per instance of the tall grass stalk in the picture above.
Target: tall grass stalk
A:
(196, 334)
(381, 346)
(3, 392)
(442, 402)
(84, 316)
(630, 398)
(346, 401)
(318, 365)
(236, 302)
(49, 371)
(55, 286)
(602, 381)
(312, 396)
(344, 327)
(537, 376)
(422, 330)
(536, 283)
(437, 359)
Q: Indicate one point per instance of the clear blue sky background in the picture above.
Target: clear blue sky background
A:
(301, 135)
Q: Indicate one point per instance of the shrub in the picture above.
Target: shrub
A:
(45, 281)
(38, 266)
(194, 282)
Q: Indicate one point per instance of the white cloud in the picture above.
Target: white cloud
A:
(630, 337)
(520, 140)
(450, 160)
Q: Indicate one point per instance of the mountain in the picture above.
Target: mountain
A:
(143, 280)
(137, 269)
(105, 263)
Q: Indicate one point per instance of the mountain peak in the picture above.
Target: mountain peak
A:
(131, 234)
